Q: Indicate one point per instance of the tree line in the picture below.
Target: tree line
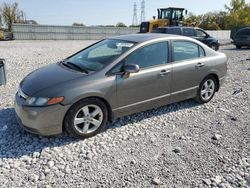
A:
(237, 14)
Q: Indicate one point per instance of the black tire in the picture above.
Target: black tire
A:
(238, 46)
(74, 111)
(199, 98)
(215, 47)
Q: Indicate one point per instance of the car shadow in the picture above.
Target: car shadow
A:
(235, 49)
(15, 142)
(135, 118)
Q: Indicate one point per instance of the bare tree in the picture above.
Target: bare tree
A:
(11, 14)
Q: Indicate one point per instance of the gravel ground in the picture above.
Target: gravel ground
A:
(179, 145)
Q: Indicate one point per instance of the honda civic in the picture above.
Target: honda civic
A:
(116, 77)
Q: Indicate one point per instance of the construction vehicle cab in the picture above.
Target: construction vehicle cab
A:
(166, 17)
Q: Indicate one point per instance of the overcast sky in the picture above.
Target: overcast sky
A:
(104, 12)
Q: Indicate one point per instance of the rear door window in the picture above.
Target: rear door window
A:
(189, 32)
(175, 31)
(202, 52)
(186, 50)
(159, 30)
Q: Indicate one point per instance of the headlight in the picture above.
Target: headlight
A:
(42, 101)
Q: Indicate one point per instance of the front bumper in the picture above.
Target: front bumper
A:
(45, 121)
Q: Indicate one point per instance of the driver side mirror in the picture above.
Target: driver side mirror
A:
(131, 68)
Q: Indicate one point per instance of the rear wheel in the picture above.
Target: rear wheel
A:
(238, 46)
(206, 90)
(86, 118)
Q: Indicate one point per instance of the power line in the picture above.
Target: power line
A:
(143, 11)
(135, 20)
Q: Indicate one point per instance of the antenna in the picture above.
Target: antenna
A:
(143, 11)
(135, 20)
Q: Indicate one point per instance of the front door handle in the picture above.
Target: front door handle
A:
(200, 65)
(164, 72)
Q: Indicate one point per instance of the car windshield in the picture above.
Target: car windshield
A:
(243, 32)
(99, 55)
(165, 14)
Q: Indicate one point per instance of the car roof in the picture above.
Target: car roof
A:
(177, 8)
(245, 28)
(140, 38)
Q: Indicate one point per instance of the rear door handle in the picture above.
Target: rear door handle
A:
(200, 65)
(164, 72)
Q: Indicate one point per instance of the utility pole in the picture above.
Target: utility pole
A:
(143, 11)
(135, 20)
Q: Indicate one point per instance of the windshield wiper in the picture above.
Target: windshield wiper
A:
(76, 66)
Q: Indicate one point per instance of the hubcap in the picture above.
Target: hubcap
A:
(207, 90)
(88, 119)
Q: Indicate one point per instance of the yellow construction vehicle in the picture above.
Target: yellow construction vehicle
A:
(1, 35)
(171, 16)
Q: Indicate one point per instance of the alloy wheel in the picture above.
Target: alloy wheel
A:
(88, 119)
(207, 90)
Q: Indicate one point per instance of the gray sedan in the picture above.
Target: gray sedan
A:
(114, 78)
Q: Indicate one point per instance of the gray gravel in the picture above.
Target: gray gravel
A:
(180, 145)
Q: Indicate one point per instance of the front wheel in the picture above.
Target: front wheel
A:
(215, 47)
(206, 90)
(86, 118)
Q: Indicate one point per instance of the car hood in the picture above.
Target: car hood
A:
(46, 77)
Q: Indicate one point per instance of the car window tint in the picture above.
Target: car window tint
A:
(188, 32)
(100, 54)
(200, 33)
(151, 55)
(247, 31)
(244, 32)
(117, 68)
(184, 50)
(159, 30)
(176, 31)
(202, 52)
(104, 50)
